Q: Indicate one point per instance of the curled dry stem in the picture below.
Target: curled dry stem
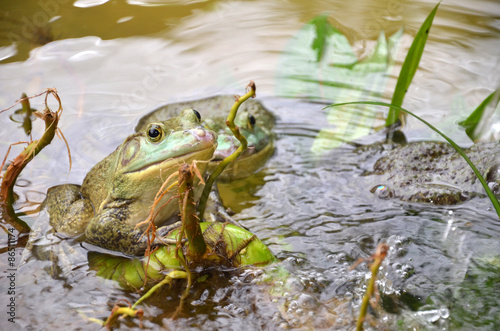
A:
(196, 247)
(10, 175)
(150, 231)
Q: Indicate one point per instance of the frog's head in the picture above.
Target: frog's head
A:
(148, 157)
(260, 145)
(255, 122)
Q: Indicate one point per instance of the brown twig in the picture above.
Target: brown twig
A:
(14, 169)
(377, 259)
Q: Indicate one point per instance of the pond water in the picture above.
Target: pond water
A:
(112, 62)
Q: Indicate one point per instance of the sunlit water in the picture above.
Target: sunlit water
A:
(112, 63)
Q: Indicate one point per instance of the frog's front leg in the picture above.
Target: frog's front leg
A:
(69, 212)
(109, 229)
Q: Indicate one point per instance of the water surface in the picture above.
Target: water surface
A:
(112, 62)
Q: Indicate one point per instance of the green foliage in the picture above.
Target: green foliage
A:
(478, 116)
(319, 63)
(409, 67)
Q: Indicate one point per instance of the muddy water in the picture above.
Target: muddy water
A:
(113, 62)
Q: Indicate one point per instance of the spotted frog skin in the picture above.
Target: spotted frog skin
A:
(254, 121)
(434, 172)
(118, 192)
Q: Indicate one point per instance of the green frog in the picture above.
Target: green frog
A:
(118, 192)
(254, 121)
(434, 172)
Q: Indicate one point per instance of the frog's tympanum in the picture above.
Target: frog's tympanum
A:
(254, 121)
(434, 172)
(118, 192)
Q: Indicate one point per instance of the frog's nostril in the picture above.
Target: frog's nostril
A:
(199, 132)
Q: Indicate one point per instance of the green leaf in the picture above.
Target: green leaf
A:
(323, 31)
(471, 123)
(228, 242)
(319, 63)
(368, 79)
(409, 67)
(317, 47)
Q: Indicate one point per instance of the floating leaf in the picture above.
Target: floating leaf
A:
(315, 49)
(319, 63)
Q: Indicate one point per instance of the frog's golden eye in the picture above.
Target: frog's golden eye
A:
(154, 132)
(251, 120)
(197, 114)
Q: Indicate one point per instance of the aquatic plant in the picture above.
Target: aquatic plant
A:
(410, 66)
(480, 118)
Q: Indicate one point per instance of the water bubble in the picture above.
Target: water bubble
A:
(464, 196)
(444, 312)
(284, 326)
(430, 315)
(401, 251)
(307, 301)
(293, 305)
(23, 182)
(382, 191)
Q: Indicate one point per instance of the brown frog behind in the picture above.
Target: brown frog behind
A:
(434, 172)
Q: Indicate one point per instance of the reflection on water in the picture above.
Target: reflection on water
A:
(114, 62)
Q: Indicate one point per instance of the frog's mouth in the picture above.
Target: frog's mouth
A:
(198, 155)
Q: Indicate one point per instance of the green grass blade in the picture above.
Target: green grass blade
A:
(473, 120)
(409, 67)
(460, 151)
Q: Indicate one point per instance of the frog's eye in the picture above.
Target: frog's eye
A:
(197, 114)
(251, 120)
(155, 133)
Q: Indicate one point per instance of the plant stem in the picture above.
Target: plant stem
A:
(224, 163)
(378, 257)
(175, 274)
(190, 226)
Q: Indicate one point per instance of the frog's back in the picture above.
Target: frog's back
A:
(435, 172)
(216, 108)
